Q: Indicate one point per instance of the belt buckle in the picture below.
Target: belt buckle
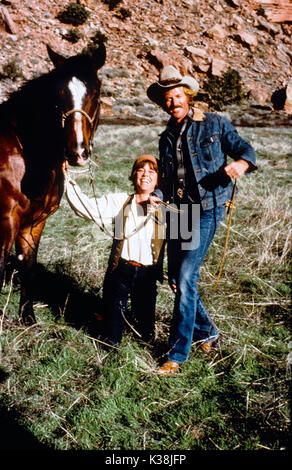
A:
(180, 192)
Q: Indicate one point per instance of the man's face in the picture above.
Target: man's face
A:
(176, 103)
(146, 179)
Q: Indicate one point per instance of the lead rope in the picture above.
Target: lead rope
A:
(230, 205)
(102, 226)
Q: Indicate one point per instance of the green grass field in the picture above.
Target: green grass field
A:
(62, 387)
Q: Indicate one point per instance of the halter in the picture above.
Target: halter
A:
(89, 119)
(76, 110)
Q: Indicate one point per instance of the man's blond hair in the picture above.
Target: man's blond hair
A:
(191, 94)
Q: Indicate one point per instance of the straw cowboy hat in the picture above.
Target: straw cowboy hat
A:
(169, 78)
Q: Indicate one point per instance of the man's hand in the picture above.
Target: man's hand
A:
(236, 169)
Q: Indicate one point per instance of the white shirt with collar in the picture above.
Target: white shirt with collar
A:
(104, 210)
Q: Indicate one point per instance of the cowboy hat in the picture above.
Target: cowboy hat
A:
(169, 78)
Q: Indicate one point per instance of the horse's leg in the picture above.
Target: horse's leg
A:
(26, 245)
(13, 203)
(8, 230)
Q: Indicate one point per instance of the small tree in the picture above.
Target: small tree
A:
(224, 90)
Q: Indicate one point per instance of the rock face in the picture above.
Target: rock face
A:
(288, 100)
(200, 37)
(279, 11)
(6, 23)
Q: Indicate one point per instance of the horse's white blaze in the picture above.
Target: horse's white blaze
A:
(78, 91)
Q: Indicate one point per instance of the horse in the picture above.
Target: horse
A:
(51, 119)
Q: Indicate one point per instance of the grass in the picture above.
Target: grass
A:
(71, 394)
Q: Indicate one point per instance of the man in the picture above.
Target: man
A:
(194, 170)
(135, 262)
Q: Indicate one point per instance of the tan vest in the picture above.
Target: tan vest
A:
(157, 242)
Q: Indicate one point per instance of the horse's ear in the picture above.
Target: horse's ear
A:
(99, 55)
(55, 57)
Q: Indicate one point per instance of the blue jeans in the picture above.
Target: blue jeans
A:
(191, 321)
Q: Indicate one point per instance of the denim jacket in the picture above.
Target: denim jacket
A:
(209, 142)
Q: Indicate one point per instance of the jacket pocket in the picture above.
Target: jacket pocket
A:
(210, 146)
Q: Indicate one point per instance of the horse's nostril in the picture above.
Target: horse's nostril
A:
(85, 154)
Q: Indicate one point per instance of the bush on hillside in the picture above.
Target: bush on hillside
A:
(73, 35)
(112, 4)
(225, 90)
(74, 14)
(11, 70)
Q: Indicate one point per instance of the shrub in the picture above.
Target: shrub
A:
(73, 35)
(125, 13)
(112, 3)
(224, 90)
(94, 42)
(98, 37)
(12, 70)
(74, 14)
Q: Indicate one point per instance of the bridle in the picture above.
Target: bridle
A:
(91, 121)
(76, 110)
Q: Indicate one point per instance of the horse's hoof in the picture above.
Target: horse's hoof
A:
(27, 321)
(27, 318)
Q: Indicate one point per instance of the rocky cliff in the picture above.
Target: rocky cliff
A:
(201, 37)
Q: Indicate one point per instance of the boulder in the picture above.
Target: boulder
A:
(198, 57)
(288, 100)
(217, 32)
(268, 26)
(202, 66)
(158, 59)
(246, 38)
(257, 94)
(218, 66)
(106, 106)
(279, 11)
(6, 22)
(194, 52)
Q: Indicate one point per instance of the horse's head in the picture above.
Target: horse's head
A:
(79, 101)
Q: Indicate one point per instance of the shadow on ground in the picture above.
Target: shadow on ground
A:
(14, 436)
(64, 297)
(79, 309)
